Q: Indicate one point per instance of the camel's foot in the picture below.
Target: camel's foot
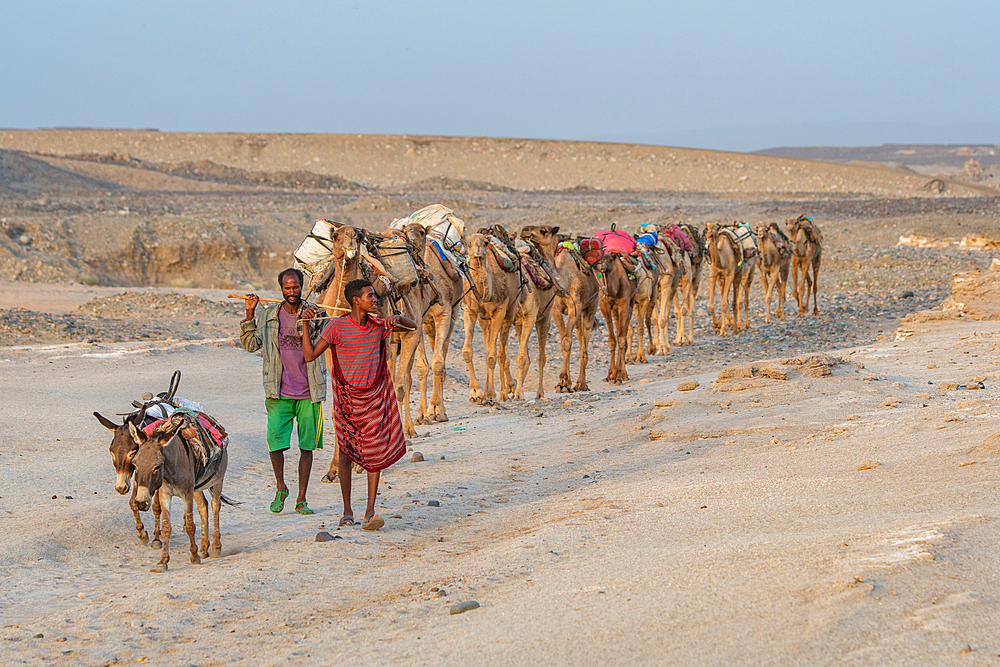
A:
(329, 479)
(144, 537)
(563, 389)
(216, 552)
(540, 395)
(815, 311)
(518, 395)
(410, 431)
(358, 470)
(440, 416)
(203, 553)
(159, 567)
(156, 543)
(581, 386)
(195, 559)
(422, 421)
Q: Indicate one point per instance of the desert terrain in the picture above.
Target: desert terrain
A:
(824, 495)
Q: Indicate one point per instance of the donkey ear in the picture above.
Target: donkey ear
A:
(137, 435)
(105, 422)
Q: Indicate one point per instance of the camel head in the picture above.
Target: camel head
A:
(123, 449)
(543, 237)
(478, 246)
(345, 243)
(149, 460)
(416, 234)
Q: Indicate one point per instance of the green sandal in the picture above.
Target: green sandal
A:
(302, 508)
(278, 503)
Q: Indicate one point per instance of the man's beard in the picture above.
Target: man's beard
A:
(293, 300)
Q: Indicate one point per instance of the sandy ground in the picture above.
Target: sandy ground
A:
(744, 533)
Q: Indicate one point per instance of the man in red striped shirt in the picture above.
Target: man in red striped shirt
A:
(369, 429)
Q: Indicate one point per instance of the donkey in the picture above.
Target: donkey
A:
(165, 466)
(123, 451)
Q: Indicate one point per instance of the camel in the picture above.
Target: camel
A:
(774, 259)
(647, 289)
(807, 250)
(725, 270)
(439, 323)
(492, 303)
(415, 302)
(578, 303)
(687, 292)
(617, 302)
(674, 281)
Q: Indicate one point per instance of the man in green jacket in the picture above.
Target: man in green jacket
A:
(294, 389)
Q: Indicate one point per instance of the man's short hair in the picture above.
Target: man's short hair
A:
(354, 288)
(292, 272)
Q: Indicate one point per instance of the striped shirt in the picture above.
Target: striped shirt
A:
(357, 347)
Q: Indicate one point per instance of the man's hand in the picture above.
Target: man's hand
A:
(307, 313)
(398, 323)
(252, 301)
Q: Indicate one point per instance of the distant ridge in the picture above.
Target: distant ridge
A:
(952, 155)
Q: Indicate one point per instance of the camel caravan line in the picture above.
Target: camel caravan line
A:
(429, 267)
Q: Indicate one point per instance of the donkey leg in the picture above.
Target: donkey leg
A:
(216, 533)
(157, 542)
(199, 500)
(143, 535)
(165, 552)
(189, 526)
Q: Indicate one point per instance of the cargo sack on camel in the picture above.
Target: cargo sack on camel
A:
(616, 240)
(744, 237)
(586, 252)
(532, 263)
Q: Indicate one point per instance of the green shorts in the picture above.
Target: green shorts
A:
(308, 415)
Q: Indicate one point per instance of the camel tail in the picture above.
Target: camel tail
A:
(229, 501)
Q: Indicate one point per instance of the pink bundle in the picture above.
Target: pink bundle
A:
(678, 236)
(616, 241)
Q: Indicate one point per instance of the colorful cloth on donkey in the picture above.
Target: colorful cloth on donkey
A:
(203, 436)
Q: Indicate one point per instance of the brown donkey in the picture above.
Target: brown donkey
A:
(166, 466)
(617, 302)
(807, 251)
(123, 450)
(774, 257)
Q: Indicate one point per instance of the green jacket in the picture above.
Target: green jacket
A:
(261, 333)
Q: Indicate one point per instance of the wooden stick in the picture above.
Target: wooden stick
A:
(245, 297)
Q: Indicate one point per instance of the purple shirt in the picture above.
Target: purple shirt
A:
(294, 381)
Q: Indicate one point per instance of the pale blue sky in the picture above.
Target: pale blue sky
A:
(728, 75)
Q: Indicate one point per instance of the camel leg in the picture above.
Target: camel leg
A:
(566, 345)
(681, 314)
(423, 370)
(768, 280)
(584, 327)
(523, 360)
(143, 535)
(199, 499)
(795, 286)
(542, 333)
(746, 297)
(165, 552)
(815, 283)
(444, 328)
(782, 286)
(492, 336)
(624, 316)
(404, 378)
(612, 339)
(475, 393)
(713, 277)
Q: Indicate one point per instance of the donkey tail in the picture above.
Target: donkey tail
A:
(229, 501)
